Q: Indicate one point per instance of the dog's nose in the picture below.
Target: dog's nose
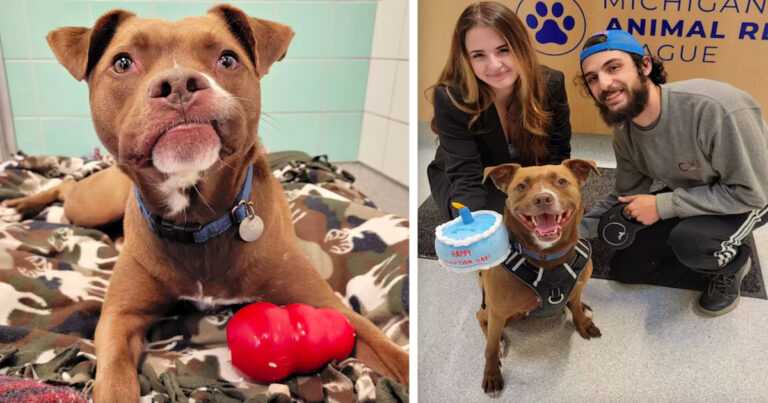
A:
(543, 199)
(177, 85)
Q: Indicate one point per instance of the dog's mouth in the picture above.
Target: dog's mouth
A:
(546, 227)
(190, 144)
(188, 125)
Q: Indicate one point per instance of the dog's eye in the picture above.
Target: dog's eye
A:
(228, 60)
(521, 187)
(122, 63)
(562, 182)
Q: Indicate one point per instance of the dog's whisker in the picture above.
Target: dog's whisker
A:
(242, 99)
(272, 126)
(267, 116)
(271, 122)
(225, 164)
(202, 199)
(184, 215)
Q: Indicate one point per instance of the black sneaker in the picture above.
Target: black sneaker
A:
(722, 293)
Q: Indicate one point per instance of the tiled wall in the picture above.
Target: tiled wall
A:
(313, 99)
(384, 139)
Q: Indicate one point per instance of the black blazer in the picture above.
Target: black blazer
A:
(456, 174)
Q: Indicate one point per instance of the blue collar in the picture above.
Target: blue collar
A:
(535, 256)
(198, 233)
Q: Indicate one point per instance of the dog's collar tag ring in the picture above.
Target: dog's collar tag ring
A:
(252, 226)
(243, 211)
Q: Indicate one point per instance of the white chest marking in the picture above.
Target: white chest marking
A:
(173, 190)
(204, 302)
(544, 245)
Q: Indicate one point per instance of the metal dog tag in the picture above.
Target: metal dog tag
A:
(251, 228)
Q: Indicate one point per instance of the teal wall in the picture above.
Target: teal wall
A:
(313, 99)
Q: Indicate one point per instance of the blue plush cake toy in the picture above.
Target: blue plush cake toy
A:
(473, 241)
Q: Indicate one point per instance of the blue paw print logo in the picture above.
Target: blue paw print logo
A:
(557, 27)
(551, 30)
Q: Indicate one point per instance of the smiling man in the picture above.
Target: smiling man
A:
(706, 141)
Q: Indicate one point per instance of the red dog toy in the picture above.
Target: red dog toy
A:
(268, 343)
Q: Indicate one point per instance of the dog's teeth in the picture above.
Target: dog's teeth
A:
(533, 219)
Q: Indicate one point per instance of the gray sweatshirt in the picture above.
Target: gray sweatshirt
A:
(710, 146)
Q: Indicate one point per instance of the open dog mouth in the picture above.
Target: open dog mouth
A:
(546, 227)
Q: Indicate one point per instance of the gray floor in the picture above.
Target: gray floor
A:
(654, 348)
(389, 196)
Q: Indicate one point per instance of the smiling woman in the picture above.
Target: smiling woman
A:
(494, 104)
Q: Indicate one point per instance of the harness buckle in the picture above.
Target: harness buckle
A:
(555, 292)
(178, 233)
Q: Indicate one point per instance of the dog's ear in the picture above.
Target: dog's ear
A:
(79, 48)
(265, 41)
(581, 168)
(272, 40)
(501, 175)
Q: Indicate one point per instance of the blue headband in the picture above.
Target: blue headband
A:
(616, 39)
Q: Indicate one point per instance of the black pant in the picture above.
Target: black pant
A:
(669, 250)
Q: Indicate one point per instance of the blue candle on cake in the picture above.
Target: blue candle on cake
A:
(472, 241)
(466, 215)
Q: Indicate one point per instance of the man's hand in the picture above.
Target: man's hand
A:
(642, 208)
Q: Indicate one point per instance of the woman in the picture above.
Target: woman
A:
(494, 104)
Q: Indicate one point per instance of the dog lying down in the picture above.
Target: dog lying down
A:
(178, 105)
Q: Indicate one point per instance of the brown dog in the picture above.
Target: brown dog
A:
(542, 212)
(178, 105)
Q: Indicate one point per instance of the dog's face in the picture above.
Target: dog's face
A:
(544, 201)
(174, 98)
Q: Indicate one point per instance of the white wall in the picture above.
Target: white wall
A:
(384, 137)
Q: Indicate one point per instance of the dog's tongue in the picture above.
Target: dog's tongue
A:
(546, 223)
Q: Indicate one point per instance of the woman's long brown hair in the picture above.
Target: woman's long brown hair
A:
(527, 118)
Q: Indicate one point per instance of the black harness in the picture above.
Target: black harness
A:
(552, 286)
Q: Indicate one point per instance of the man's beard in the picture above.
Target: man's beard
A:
(638, 99)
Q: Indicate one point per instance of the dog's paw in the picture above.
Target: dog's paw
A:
(493, 382)
(9, 214)
(588, 330)
(20, 206)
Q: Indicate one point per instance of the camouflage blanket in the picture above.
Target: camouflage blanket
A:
(53, 277)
